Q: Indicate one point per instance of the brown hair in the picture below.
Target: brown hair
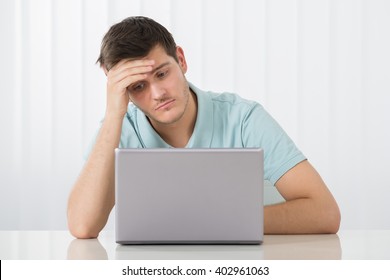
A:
(134, 37)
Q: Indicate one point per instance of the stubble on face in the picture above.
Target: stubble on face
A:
(186, 97)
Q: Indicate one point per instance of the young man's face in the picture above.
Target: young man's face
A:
(163, 96)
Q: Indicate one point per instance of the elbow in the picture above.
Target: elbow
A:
(332, 220)
(335, 226)
(81, 229)
(82, 232)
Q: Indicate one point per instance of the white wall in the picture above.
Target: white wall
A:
(322, 68)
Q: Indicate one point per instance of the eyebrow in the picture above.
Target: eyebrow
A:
(160, 66)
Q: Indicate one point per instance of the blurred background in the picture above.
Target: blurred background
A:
(320, 67)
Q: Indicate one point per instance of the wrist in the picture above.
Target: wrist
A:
(110, 116)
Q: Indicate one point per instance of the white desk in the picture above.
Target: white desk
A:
(46, 245)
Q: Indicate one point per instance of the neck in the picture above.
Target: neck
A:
(179, 133)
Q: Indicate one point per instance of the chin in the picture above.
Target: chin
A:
(169, 120)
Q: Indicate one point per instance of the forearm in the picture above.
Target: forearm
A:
(301, 216)
(93, 194)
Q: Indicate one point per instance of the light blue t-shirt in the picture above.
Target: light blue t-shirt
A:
(224, 120)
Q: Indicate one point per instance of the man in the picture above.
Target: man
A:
(151, 104)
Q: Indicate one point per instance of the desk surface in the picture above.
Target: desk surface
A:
(347, 244)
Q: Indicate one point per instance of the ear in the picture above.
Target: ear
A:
(181, 59)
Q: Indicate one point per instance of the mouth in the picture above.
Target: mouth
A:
(165, 105)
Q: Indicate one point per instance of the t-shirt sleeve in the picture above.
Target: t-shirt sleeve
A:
(260, 130)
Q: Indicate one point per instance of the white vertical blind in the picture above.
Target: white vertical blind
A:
(282, 63)
(320, 67)
(346, 102)
(313, 77)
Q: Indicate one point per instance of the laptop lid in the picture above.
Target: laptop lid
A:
(208, 196)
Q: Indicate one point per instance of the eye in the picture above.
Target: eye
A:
(162, 74)
(137, 87)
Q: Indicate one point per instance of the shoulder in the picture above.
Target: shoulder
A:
(226, 100)
(231, 99)
(237, 106)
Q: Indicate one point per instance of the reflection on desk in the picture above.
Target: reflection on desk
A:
(274, 247)
(61, 245)
(86, 249)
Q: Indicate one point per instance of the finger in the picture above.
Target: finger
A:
(116, 77)
(122, 85)
(138, 66)
(126, 63)
(128, 81)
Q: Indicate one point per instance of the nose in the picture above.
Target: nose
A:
(156, 92)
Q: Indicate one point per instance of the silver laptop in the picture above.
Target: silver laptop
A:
(189, 196)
